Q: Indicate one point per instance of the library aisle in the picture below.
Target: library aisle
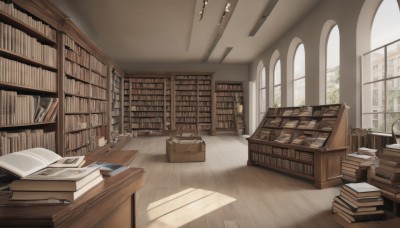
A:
(223, 191)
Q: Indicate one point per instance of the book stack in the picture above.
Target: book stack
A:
(357, 202)
(43, 175)
(387, 174)
(355, 166)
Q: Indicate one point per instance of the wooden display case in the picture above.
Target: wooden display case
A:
(308, 142)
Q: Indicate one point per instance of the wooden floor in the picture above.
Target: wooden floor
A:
(223, 191)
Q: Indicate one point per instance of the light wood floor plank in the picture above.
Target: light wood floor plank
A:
(223, 191)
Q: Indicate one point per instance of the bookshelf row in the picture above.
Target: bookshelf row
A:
(302, 140)
(58, 90)
(197, 105)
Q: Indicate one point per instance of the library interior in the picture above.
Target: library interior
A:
(200, 113)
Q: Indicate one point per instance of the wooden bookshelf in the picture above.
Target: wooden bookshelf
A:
(150, 102)
(308, 142)
(116, 101)
(193, 102)
(229, 107)
(28, 80)
(127, 106)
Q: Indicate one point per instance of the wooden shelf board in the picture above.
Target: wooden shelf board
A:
(25, 88)
(26, 125)
(26, 60)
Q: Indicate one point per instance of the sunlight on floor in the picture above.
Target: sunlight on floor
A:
(185, 206)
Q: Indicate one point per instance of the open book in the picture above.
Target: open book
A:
(26, 162)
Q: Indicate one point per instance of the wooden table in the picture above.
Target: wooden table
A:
(109, 204)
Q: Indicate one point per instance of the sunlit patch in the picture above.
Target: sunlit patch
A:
(185, 206)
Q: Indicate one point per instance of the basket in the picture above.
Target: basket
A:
(186, 149)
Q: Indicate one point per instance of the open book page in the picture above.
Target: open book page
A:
(21, 164)
(71, 162)
(47, 156)
(68, 174)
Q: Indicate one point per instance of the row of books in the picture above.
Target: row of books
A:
(98, 80)
(145, 92)
(145, 125)
(98, 106)
(225, 117)
(148, 119)
(17, 41)
(358, 202)
(307, 123)
(17, 73)
(76, 105)
(147, 98)
(147, 86)
(147, 80)
(229, 87)
(13, 141)
(116, 112)
(226, 124)
(225, 112)
(293, 166)
(192, 77)
(77, 71)
(225, 99)
(305, 111)
(225, 105)
(98, 66)
(77, 53)
(98, 93)
(10, 9)
(229, 94)
(147, 114)
(76, 139)
(26, 109)
(76, 87)
(304, 138)
(186, 126)
(290, 153)
(147, 108)
(79, 56)
(146, 103)
(98, 119)
(186, 98)
(76, 122)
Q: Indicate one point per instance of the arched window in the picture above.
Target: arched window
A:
(299, 80)
(262, 93)
(277, 84)
(332, 79)
(381, 70)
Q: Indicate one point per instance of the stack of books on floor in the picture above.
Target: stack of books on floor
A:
(44, 175)
(355, 166)
(358, 202)
(387, 174)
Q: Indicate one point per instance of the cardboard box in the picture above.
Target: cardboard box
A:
(186, 149)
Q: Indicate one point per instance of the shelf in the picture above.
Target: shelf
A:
(81, 65)
(75, 95)
(77, 130)
(26, 125)
(76, 78)
(79, 147)
(77, 113)
(24, 59)
(25, 88)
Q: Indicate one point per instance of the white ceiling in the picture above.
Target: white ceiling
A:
(169, 31)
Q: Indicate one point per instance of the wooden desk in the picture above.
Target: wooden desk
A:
(109, 204)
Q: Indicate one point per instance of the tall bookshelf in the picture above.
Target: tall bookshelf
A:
(193, 102)
(229, 107)
(308, 142)
(85, 86)
(116, 101)
(150, 102)
(28, 80)
(127, 106)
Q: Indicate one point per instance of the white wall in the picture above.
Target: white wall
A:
(345, 13)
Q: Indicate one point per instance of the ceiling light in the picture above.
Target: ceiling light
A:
(205, 2)
(227, 7)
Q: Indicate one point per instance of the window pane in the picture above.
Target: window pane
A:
(262, 78)
(393, 95)
(333, 66)
(375, 122)
(263, 100)
(277, 96)
(385, 28)
(299, 62)
(299, 92)
(391, 117)
(374, 66)
(277, 73)
(393, 58)
(373, 97)
(332, 86)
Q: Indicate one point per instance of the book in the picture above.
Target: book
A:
(305, 111)
(61, 195)
(367, 151)
(109, 169)
(26, 162)
(354, 203)
(362, 189)
(54, 185)
(362, 159)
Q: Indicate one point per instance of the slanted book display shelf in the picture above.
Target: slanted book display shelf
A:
(308, 142)
(229, 106)
(28, 81)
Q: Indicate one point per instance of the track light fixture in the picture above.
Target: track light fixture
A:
(205, 2)
(227, 9)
